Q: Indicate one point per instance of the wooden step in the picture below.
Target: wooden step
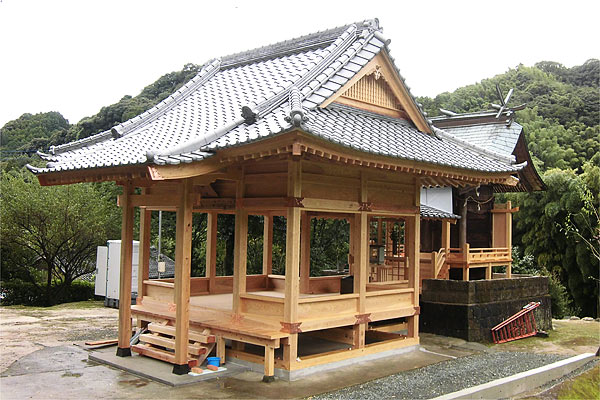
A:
(159, 354)
(170, 330)
(169, 343)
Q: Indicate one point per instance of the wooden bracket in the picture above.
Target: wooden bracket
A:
(417, 310)
(295, 201)
(362, 318)
(365, 206)
(290, 327)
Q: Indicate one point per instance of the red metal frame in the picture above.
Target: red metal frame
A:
(520, 325)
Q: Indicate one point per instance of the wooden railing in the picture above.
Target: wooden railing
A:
(470, 255)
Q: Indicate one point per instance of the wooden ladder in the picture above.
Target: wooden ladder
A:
(159, 343)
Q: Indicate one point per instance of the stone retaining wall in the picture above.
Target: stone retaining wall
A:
(470, 309)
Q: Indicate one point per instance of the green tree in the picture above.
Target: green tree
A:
(50, 234)
(540, 228)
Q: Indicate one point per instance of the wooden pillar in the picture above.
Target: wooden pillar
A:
(124, 348)
(240, 250)
(351, 250)
(361, 275)
(466, 249)
(269, 364)
(446, 234)
(144, 254)
(221, 348)
(211, 249)
(292, 263)
(268, 244)
(462, 225)
(413, 252)
(305, 253)
(183, 258)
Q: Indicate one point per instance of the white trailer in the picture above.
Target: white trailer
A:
(108, 269)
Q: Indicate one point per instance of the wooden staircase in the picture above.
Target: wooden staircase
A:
(159, 343)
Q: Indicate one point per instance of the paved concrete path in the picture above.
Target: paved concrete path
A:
(64, 372)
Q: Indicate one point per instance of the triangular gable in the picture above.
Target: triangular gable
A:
(378, 88)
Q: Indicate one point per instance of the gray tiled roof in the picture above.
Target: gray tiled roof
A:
(499, 138)
(432, 212)
(282, 85)
(395, 137)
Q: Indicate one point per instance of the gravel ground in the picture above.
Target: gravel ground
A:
(445, 377)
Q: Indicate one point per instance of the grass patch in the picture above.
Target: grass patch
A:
(585, 386)
(565, 334)
(79, 305)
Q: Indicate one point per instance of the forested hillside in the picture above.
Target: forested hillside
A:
(556, 231)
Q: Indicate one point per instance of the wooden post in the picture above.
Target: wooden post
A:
(361, 274)
(269, 364)
(240, 251)
(124, 347)
(268, 244)
(462, 225)
(144, 254)
(211, 249)
(446, 234)
(509, 238)
(465, 254)
(183, 258)
(351, 250)
(305, 253)
(414, 252)
(221, 348)
(292, 262)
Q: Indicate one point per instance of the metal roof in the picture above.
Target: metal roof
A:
(278, 87)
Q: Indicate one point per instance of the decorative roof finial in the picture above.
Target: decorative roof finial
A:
(503, 106)
(296, 116)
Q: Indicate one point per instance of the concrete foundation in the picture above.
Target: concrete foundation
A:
(156, 370)
(304, 372)
(470, 309)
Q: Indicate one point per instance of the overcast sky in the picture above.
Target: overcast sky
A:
(77, 56)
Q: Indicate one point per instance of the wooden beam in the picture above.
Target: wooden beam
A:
(124, 348)
(144, 254)
(211, 249)
(304, 253)
(268, 244)
(183, 254)
(184, 170)
(240, 251)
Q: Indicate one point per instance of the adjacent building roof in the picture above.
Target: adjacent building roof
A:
(498, 135)
(268, 91)
(435, 213)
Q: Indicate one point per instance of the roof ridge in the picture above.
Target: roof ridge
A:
(311, 41)
(208, 71)
(338, 47)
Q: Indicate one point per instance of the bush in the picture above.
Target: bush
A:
(17, 292)
(561, 303)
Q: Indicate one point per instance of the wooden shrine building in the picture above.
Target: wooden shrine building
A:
(321, 126)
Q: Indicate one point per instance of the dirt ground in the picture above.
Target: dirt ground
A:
(52, 331)
(24, 330)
